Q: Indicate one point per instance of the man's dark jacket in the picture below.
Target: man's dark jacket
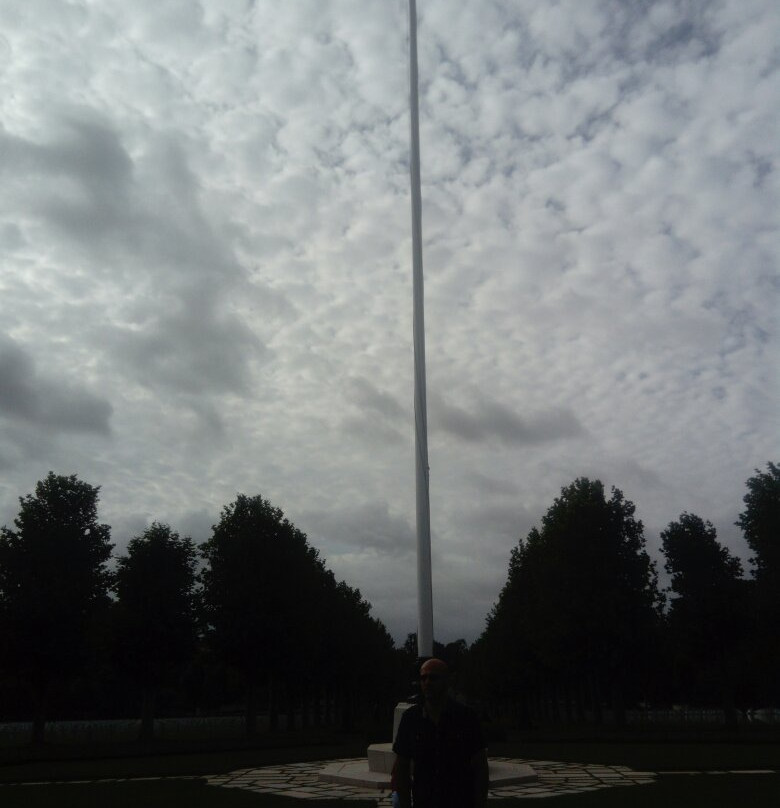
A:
(442, 754)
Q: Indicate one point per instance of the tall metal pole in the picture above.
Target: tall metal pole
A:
(424, 585)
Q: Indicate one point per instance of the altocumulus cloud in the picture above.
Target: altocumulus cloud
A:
(48, 402)
(493, 420)
(205, 282)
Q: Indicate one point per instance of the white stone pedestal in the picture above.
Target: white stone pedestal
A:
(374, 772)
(360, 773)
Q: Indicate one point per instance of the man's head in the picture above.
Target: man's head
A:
(434, 676)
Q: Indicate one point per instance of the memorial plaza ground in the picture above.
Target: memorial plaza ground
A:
(574, 774)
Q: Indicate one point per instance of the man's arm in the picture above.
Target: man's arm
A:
(479, 767)
(402, 771)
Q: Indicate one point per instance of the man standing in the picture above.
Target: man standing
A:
(440, 756)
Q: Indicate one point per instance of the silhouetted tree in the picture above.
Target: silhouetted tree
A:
(53, 581)
(155, 614)
(410, 647)
(576, 620)
(760, 523)
(260, 593)
(506, 663)
(708, 612)
(357, 657)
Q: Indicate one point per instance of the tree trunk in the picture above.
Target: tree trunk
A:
(148, 698)
(538, 705)
(524, 713)
(289, 709)
(544, 703)
(39, 714)
(346, 711)
(729, 709)
(251, 710)
(579, 702)
(567, 703)
(555, 703)
(618, 704)
(305, 706)
(595, 694)
(317, 707)
(328, 706)
(273, 706)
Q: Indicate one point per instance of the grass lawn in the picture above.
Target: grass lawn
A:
(151, 794)
(671, 791)
(169, 762)
(666, 756)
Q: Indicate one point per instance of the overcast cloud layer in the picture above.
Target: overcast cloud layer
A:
(205, 284)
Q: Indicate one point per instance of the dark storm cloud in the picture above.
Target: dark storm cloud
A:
(83, 182)
(190, 347)
(507, 523)
(366, 396)
(165, 267)
(369, 429)
(378, 415)
(486, 484)
(82, 179)
(492, 420)
(57, 404)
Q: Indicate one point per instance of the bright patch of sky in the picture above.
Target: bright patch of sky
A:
(206, 268)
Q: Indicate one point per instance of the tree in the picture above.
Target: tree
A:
(355, 659)
(53, 582)
(707, 614)
(575, 622)
(155, 614)
(760, 523)
(261, 592)
(280, 618)
(506, 659)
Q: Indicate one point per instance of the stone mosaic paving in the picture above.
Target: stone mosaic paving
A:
(300, 780)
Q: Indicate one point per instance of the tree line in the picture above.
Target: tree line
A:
(253, 618)
(252, 615)
(581, 626)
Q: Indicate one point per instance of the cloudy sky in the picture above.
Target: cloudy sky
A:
(205, 284)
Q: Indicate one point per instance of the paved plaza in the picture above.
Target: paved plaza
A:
(301, 780)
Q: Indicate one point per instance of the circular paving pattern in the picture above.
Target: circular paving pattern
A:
(301, 780)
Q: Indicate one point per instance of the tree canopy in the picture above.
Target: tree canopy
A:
(155, 615)
(760, 521)
(697, 563)
(708, 612)
(53, 579)
(577, 613)
(275, 612)
(577, 628)
(258, 587)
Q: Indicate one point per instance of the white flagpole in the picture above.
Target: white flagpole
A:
(424, 585)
